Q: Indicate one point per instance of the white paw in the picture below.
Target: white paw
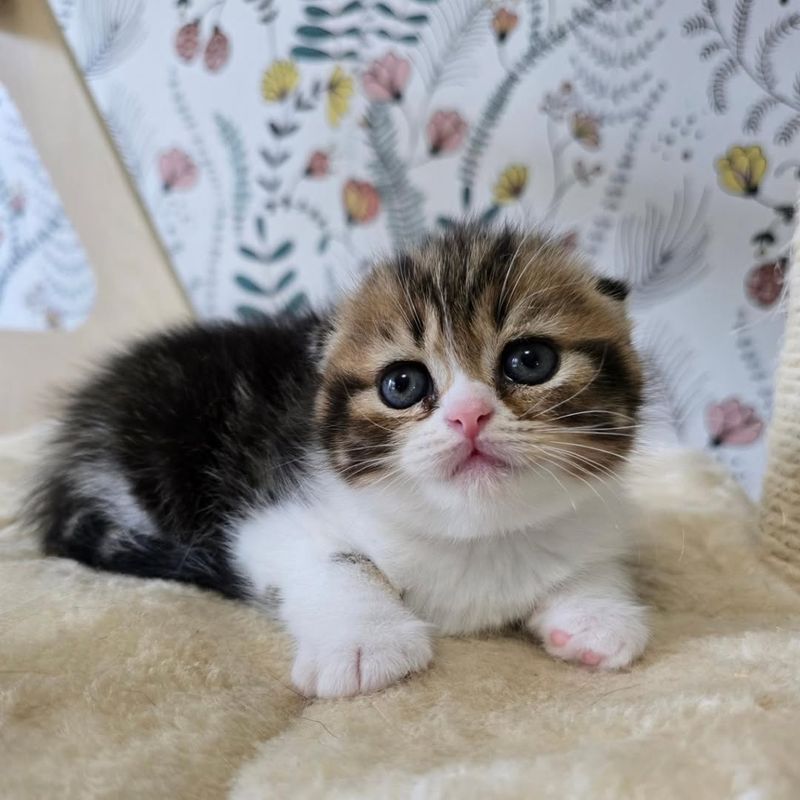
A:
(365, 659)
(605, 634)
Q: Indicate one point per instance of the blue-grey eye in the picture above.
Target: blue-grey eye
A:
(529, 361)
(404, 384)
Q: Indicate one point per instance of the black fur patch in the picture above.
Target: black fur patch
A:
(615, 379)
(614, 288)
(198, 424)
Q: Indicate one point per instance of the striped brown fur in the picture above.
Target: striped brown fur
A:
(453, 303)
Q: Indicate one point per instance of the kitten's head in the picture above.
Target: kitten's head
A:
(477, 364)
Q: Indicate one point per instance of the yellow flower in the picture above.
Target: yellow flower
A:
(279, 81)
(340, 90)
(511, 183)
(741, 169)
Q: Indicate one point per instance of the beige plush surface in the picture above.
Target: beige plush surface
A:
(113, 687)
(780, 507)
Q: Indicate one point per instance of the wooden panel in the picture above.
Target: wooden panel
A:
(137, 291)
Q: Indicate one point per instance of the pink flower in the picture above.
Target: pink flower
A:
(217, 50)
(18, 204)
(187, 40)
(446, 131)
(556, 104)
(361, 201)
(764, 283)
(177, 170)
(732, 422)
(318, 165)
(504, 22)
(386, 78)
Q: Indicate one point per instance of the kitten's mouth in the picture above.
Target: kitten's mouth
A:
(477, 462)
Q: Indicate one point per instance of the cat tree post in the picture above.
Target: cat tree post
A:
(780, 507)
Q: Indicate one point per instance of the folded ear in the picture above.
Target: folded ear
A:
(611, 287)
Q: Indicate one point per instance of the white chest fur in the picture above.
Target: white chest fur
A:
(480, 580)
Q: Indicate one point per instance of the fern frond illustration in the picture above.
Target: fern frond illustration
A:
(126, 122)
(539, 45)
(676, 386)
(403, 202)
(770, 39)
(452, 35)
(730, 46)
(788, 130)
(757, 112)
(662, 252)
(237, 157)
(110, 31)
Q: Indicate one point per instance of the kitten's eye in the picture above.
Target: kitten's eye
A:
(529, 361)
(404, 384)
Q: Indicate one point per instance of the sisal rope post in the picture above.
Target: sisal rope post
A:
(780, 505)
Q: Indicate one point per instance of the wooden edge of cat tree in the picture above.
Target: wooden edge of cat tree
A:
(780, 505)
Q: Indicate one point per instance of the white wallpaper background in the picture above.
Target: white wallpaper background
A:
(45, 280)
(279, 144)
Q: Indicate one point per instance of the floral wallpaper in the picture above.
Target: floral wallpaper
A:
(45, 280)
(280, 144)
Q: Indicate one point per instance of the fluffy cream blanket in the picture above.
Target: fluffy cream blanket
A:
(115, 687)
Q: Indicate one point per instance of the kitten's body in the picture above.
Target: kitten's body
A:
(262, 461)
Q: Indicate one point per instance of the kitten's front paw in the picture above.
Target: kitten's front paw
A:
(363, 660)
(603, 634)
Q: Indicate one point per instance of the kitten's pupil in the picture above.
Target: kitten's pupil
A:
(529, 361)
(404, 384)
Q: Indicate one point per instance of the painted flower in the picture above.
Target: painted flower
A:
(340, 90)
(177, 170)
(386, 78)
(585, 129)
(764, 283)
(18, 203)
(585, 173)
(511, 184)
(361, 201)
(279, 81)
(503, 23)
(556, 104)
(741, 170)
(218, 50)
(318, 165)
(187, 40)
(446, 131)
(732, 422)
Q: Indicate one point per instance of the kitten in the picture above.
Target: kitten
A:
(443, 453)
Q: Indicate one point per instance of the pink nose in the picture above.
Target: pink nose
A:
(469, 415)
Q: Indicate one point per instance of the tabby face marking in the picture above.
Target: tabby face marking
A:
(456, 304)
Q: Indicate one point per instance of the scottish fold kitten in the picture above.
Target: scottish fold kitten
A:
(443, 453)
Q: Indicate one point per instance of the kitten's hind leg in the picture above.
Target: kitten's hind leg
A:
(83, 529)
(594, 620)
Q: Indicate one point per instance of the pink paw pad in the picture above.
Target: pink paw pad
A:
(590, 658)
(559, 638)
